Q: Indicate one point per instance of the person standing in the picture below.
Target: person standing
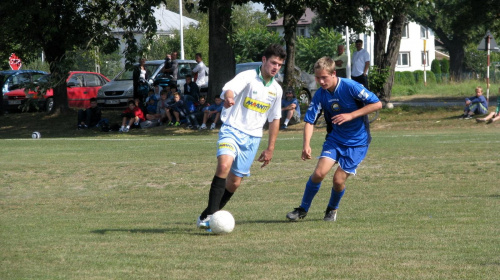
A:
(171, 67)
(345, 104)
(360, 64)
(200, 71)
(341, 62)
(140, 78)
(250, 99)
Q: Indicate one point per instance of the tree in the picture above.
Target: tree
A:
(388, 15)
(66, 25)
(458, 23)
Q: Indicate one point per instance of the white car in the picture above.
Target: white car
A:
(117, 92)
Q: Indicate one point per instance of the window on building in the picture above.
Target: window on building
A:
(404, 59)
(424, 32)
(301, 31)
(406, 34)
(425, 58)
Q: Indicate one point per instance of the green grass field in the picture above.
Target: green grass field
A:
(91, 205)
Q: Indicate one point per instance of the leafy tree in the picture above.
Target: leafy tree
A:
(309, 50)
(220, 50)
(60, 26)
(248, 44)
(458, 23)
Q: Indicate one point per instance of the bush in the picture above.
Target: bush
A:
(445, 66)
(405, 78)
(436, 66)
(419, 77)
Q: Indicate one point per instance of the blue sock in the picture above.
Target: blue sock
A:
(335, 199)
(309, 193)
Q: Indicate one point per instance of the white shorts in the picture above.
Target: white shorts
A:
(241, 146)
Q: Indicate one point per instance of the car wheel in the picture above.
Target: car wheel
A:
(304, 97)
(49, 105)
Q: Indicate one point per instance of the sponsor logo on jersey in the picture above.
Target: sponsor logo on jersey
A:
(271, 93)
(228, 146)
(335, 106)
(256, 105)
(363, 95)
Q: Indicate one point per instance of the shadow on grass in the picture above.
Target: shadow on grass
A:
(138, 230)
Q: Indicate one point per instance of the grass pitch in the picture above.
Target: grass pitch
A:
(93, 205)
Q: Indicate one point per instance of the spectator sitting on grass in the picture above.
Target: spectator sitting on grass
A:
(89, 117)
(131, 117)
(475, 105)
(212, 113)
(493, 116)
(290, 109)
(177, 109)
(196, 117)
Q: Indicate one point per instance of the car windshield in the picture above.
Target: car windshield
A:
(185, 69)
(128, 74)
(240, 67)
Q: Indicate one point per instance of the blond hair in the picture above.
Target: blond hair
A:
(325, 63)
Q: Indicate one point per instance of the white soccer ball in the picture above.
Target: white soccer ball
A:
(222, 222)
(36, 135)
(389, 106)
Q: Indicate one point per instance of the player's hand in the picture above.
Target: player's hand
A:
(306, 153)
(265, 157)
(228, 102)
(342, 118)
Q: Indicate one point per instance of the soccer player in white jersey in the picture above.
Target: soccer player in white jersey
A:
(250, 99)
(345, 104)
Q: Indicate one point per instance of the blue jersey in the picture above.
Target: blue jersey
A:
(286, 103)
(347, 97)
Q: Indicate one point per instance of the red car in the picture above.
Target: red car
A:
(81, 87)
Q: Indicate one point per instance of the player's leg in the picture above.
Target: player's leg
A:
(348, 160)
(338, 190)
(218, 185)
(313, 185)
(232, 183)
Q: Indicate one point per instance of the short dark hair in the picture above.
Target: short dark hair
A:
(359, 41)
(131, 102)
(275, 50)
(198, 54)
(188, 75)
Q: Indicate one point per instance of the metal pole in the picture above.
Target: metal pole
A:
(181, 30)
(348, 67)
(488, 69)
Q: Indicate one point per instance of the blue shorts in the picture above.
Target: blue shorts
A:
(241, 146)
(348, 157)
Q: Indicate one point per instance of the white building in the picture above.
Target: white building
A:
(167, 23)
(411, 52)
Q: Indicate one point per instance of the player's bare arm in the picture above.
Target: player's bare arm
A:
(228, 98)
(306, 148)
(342, 118)
(267, 154)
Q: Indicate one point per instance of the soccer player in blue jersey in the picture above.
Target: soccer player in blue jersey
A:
(345, 104)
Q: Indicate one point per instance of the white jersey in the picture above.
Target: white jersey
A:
(254, 102)
(201, 69)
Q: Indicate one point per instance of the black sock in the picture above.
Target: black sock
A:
(225, 198)
(214, 196)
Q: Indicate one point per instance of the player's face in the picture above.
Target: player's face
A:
(325, 80)
(271, 67)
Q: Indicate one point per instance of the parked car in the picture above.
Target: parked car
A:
(308, 84)
(117, 92)
(14, 79)
(81, 86)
